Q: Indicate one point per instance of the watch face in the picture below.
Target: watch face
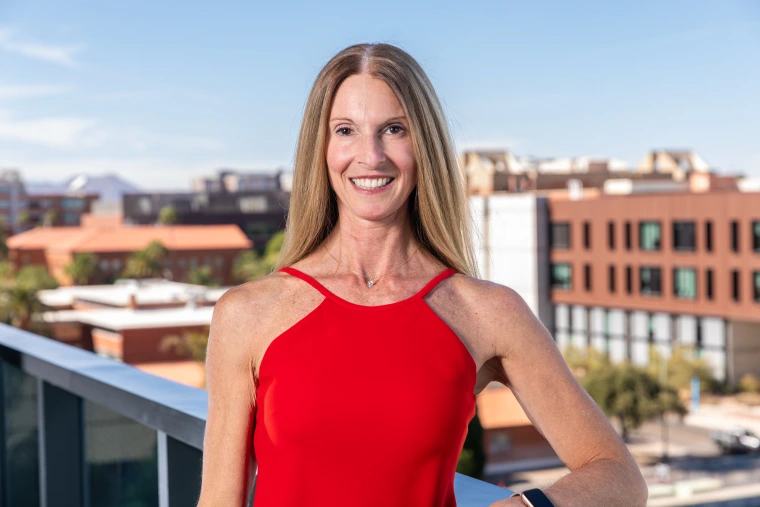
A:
(536, 498)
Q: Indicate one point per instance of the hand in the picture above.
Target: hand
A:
(508, 502)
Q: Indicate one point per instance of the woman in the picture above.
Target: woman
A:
(349, 375)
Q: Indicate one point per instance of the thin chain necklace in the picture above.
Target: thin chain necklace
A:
(372, 281)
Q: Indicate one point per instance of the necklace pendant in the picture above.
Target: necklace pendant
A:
(370, 283)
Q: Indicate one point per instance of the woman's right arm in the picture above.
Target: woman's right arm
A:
(229, 462)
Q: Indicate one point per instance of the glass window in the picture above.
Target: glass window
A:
(709, 283)
(629, 279)
(611, 275)
(756, 235)
(21, 438)
(628, 235)
(253, 204)
(708, 236)
(734, 236)
(650, 278)
(560, 235)
(649, 236)
(685, 283)
(121, 459)
(72, 203)
(104, 264)
(219, 261)
(587, 277)
(735, 284)
(181, 263)
(561, 276)
(611, 235)
(756, 286)
(684, 236)
(586, 235)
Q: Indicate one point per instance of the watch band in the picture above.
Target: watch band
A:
(535, 498)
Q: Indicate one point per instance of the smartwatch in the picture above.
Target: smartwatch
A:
(534, 498)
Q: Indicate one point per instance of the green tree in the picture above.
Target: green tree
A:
(190, 344)
(3, 239)
(681, 367)
(250, 265)
(18, 298)
(83, 268)
(23, 218)
(202, 275)
(147, 263)
(50, 218)
(167, 215)
(630, 395)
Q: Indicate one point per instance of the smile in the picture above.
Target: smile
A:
(371, 183)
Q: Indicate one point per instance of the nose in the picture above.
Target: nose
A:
(371, 152)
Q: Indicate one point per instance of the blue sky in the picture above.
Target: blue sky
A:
(163, 93)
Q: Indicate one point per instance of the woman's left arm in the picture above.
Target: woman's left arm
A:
(602, 470)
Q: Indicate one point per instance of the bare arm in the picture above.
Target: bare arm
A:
(228, 458)
(603, 472)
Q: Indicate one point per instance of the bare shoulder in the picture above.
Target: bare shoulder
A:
(494, 317)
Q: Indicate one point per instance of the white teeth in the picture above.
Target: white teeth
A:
(370, 183)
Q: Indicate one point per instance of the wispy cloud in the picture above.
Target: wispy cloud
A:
(55, 132)
(62, 55)
(29, 91)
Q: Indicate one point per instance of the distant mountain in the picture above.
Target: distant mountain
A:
(110, 186)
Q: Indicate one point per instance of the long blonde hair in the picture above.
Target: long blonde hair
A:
(438, 206)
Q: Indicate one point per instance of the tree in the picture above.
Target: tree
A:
(250, 265)
(50, 218)
(3, 239)
(202, 275)
(681, 367)
(147, 263)
(190, 344)
(630, 395)
(83, 268)
(167, 215)
(18, 299)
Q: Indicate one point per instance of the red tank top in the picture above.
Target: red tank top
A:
(362, 406)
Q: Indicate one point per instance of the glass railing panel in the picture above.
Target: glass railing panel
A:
(21, 438)
(121, 458)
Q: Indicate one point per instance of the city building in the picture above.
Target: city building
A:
(189, 247)
(622, 272)
(12, 195)
(57, 209)
(259, 214)
(230, 180)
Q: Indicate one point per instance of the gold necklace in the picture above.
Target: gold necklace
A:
(372, 281)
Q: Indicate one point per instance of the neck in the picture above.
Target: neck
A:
(371, 249)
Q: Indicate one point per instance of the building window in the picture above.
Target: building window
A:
(181, 263)
(253, 204)
(734, 235)
(685, 283)
(72, 203)
(756, 236)
(560, 235)
(683, 236)
(709, 284)
(629, 280)
(611, 274)
(219, 261)
(650, 278)
(650, 327)
(735, 284)
(587, 277)
(708, 236)
(756, 286)
(611, 235)
(586, 235)
(649, 236)
(562, 276)
(193, 262)
(628, 235)
(104, 265)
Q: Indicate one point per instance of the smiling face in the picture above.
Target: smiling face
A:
(370, 157)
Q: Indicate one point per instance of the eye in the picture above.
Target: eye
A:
(395, 129)
(343, 131)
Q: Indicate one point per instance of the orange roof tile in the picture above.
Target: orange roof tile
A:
(131, 238)
(498, 408)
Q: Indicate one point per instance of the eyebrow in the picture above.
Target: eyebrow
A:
(395, 118)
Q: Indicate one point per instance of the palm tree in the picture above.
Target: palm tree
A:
(249, 265)
(191, 344)
(18, 298)
(83, 268)
(202, 275)
(147, 263)
(167, 215)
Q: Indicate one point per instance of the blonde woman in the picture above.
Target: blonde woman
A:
(349, 375)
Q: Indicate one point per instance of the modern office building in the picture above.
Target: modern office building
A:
(623, 272)
(259, 214)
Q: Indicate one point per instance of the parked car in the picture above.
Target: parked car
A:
(736, 440)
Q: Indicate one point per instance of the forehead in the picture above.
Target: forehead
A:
(362, 97)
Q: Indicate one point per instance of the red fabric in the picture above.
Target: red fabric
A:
(363, 406)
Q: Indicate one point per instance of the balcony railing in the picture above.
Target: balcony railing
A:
(77, 429)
